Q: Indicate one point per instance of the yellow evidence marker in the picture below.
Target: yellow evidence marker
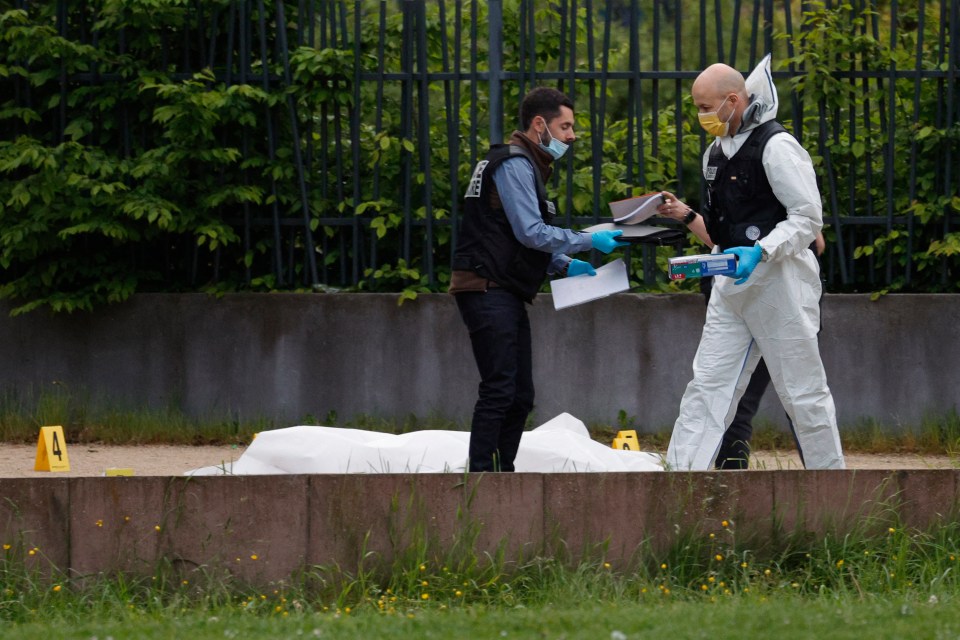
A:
(51, 450)
(626, 440)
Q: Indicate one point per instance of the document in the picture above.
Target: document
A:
(642, 233)
(637, 209)
(573, 290)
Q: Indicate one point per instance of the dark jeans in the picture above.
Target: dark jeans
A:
(734, 451)
(500, 336)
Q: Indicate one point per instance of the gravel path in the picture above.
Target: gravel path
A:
(16, 460)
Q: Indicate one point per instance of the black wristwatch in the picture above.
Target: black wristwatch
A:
(690, 217)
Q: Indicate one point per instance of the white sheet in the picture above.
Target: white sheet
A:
(561, 445)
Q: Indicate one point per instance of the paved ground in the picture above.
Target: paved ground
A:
(16, 460)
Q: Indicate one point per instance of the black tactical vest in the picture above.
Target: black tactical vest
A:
(487, 245)
(741, 207)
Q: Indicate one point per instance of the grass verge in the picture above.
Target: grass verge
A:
(86, 420)
(871, 583)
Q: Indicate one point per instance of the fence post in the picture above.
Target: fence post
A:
(495, 35)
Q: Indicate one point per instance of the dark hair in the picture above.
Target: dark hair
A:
(542, 101)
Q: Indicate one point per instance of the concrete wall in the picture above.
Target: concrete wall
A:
(267, 528)
(286, 356)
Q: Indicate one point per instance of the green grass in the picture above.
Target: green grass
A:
(743, 617)
(87, 420)
(879, 581)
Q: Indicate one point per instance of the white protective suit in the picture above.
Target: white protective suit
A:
(774, 314)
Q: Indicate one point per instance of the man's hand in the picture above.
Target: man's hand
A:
(606, 241)
(747, 260)
(579, 267)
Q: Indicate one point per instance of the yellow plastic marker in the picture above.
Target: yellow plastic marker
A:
(51, 450)
(118, 471)
(626, 440)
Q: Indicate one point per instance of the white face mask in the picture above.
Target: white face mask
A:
(555, 148)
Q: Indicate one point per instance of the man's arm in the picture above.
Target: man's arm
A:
(516, 185)
(794, 183)
(673, 208)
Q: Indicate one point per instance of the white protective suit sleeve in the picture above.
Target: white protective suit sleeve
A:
(794, 183)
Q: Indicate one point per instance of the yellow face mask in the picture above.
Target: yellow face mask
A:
(712, 123)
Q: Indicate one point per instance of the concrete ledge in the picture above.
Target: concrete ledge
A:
(261, 529)
(284, 357)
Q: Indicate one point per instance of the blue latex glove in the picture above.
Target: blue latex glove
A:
(605, 241)
(579, 267)
(747, 260)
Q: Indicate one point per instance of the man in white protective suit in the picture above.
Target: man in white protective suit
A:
(763, 206)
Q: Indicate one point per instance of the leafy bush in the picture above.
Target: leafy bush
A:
(161, 145)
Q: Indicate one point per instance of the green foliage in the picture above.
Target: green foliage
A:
(154, 168)
(869, 168)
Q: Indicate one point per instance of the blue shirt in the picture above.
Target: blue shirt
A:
(518, 195)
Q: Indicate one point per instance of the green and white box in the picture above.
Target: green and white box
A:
(702, 265)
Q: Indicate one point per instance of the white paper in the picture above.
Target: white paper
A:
(636, 209)
(573, 290)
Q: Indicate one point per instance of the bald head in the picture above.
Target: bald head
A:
(718, 80)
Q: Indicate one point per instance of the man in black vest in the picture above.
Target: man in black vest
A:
(764, 207)
(506, 248)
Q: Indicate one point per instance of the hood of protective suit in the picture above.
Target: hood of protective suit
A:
(764, 102)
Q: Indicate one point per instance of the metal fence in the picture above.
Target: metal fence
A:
(439, 80)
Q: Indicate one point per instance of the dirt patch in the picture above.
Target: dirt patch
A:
(16, 460)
